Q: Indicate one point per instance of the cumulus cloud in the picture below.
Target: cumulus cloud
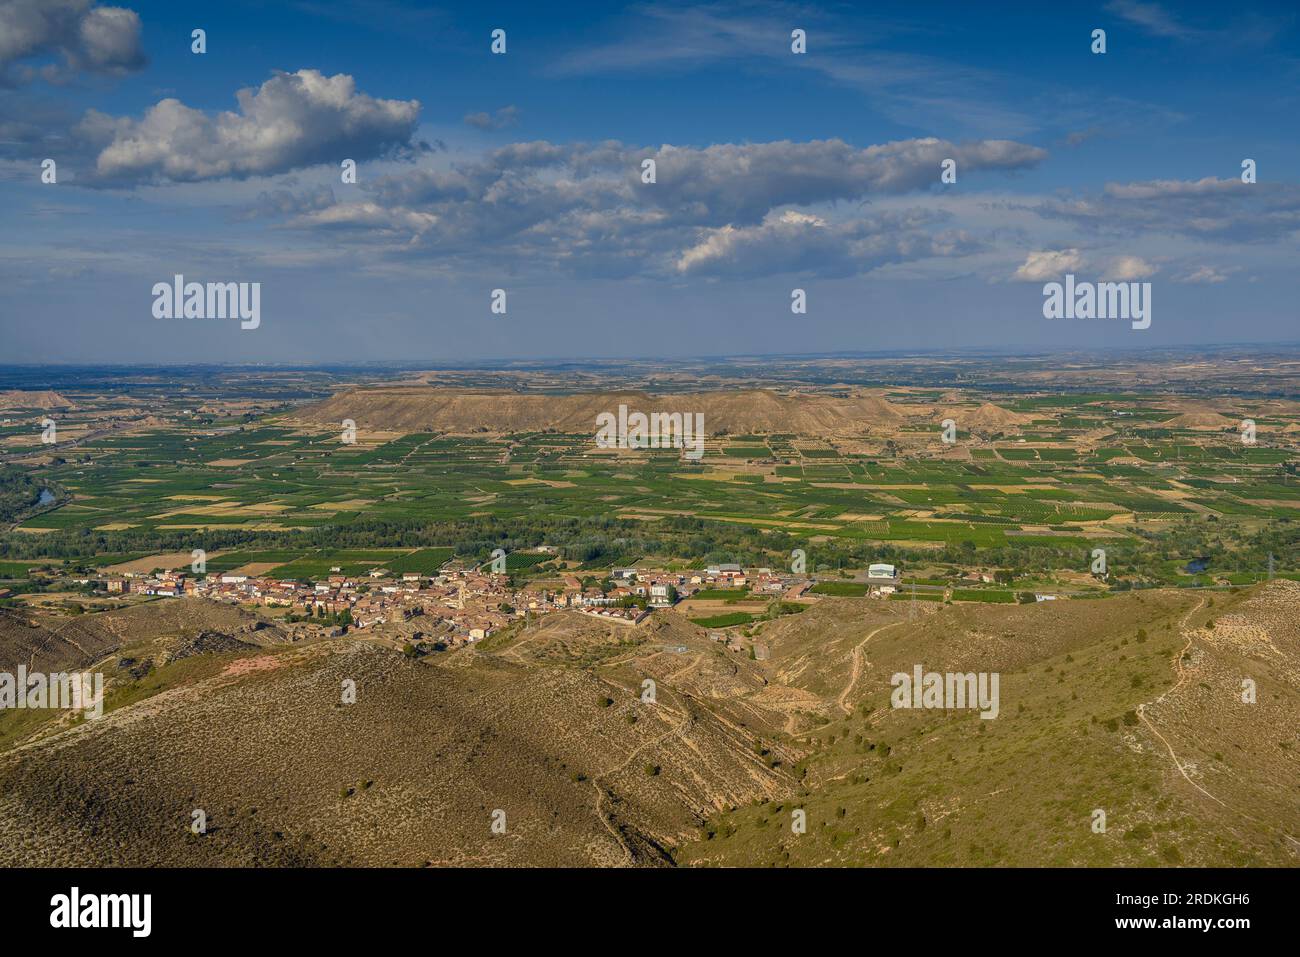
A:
(293, 120)
(1129, 268)
(82, 36)
(740, 183)
(502, 118)
(1048, 264)
(351, 215)
(723, 210)
(791, 242)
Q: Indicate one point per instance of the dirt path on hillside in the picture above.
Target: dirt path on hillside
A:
(678, 730)
(856, 673)
(1183, 675)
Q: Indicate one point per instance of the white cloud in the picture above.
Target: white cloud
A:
(1206, 274)
(728, 209)
(1157, 188)
(84, 36)
(371, 215)
(794, 242)
(293, 120)
(740, 183)
(1129, 268)
(1048, 264)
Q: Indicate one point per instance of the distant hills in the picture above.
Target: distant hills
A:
(738, 412)
(12, 399)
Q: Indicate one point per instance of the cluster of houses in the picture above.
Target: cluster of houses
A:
(464, 605)
(458, 605)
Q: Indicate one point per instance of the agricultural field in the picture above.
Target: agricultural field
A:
(266, 482)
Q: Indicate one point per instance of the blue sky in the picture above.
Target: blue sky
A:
(521, 171)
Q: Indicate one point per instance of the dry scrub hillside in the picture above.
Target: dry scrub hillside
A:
(610, 744)
(585, 772)
(987, 417)
(1240, 760)
(35, 399)
(51, 642)
(1099, 710)
(446, 410)
(45, 643)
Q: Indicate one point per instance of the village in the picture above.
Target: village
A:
(460, 605)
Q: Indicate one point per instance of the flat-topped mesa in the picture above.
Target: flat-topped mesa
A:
(458, 411)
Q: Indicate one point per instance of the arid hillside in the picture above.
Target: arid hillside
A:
(446, 410)
(1131, 707)
(51, 642)
(584, 770)
(36, 399)
(594, 742)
